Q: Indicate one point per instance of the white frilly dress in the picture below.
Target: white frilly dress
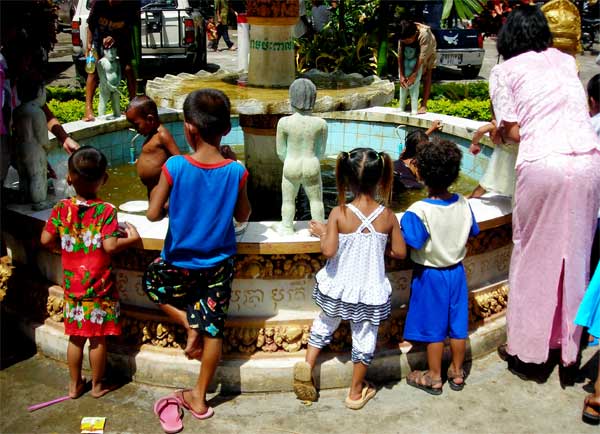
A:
(353, 285)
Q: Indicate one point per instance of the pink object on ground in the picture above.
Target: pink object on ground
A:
(556, 200)
(179, 397)
(169, 414)
(48, 403)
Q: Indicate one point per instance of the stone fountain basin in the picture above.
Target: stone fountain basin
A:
(271, 307)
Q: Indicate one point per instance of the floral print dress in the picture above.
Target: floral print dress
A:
(91, 297)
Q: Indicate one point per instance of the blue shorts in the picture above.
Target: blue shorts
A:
(439, 304)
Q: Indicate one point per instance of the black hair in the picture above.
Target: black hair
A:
(526, 29)
(88, 163)
(144, 106)
(209, 111)
(438, 163)
(413, 140)
(406, 29)
(362, 171)
(593, 88)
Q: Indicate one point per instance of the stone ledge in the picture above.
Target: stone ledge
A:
(260, 374)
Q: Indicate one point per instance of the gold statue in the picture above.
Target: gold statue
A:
(565, 24)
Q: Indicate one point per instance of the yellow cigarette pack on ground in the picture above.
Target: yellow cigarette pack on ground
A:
(93, 425)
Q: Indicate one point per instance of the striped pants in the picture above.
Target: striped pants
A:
(364, 336)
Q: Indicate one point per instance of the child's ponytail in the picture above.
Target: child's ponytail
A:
(387, 178)
(342, 171)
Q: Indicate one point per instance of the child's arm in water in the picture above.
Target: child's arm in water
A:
(158, 199)
(167, 141)
(396, 247)
(242, 206)
(327, 233)
(475, 147)
(114, 245)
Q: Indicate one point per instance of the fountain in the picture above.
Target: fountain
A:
(271, 307)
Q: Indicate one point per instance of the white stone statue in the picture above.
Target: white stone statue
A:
(31, 146)
(109, 73)
(301, 141)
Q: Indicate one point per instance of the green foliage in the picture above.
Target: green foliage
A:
(467, 108)
(463, 9)
(68, 104)
(344, 45)
(457, 91)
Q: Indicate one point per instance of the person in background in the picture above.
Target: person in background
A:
(109, 24)
(211, 33)
(303, 28)
(222, 16)
(320, 15)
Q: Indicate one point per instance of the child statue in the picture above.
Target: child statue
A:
(31, 145)
(410, 55)
(301, 140)
(109, 73)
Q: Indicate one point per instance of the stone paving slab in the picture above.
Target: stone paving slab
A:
(494, 401)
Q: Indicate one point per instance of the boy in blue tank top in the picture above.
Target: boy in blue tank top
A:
(191, 280)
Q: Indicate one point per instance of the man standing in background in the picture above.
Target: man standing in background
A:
(222, 18)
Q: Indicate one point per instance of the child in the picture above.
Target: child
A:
(88, 231)
(353, 285)
(437, 229)
(588, 316)
(420, 37)
(159, 145)
(500, 176)
(405, 172)
(211, 33)
(191, 281)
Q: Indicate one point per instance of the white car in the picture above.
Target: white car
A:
(171, 30)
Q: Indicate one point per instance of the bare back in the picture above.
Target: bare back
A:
(156, 150)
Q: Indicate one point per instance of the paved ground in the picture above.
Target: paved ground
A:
(494, 401)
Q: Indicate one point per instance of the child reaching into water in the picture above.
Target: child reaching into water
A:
(191, 280)
(88, 232)
(353, 285)
(437, 229)
(159, 144)
(500, 175)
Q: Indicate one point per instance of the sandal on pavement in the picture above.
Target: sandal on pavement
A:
(304, 386)
(453, 375)
(422, 380)
(591, 410)
(178, 395)
(368, 392)
(169, 414)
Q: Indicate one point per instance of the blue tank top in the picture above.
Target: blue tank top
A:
(201, 205)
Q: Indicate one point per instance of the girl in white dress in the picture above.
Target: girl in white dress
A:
(353, 286)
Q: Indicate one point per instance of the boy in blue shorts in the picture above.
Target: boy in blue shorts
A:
(437, 229)
(191, 280)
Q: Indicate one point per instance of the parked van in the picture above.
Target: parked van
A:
(171, 30)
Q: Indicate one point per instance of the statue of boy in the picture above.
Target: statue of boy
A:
(31, 145)
(301, 140)
(109, 74)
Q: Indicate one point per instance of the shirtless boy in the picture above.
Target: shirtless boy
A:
(159, 145)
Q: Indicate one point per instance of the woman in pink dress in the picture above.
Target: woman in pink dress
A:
(540, 104)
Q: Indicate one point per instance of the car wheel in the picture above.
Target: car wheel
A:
(471, 71)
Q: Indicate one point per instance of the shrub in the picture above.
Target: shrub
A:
(475, 109)
(64, 93)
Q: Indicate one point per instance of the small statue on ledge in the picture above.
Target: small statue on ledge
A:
(109, 74)
(301, 141)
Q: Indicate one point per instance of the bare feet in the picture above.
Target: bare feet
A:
(192, 348)
(77, 389)
(88, 117)
(422, 110)
(196, 404)
(100, 389)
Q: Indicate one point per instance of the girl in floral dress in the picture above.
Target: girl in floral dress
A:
(89, 234)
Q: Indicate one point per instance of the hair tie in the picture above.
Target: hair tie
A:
(381, 156)
(345, 155)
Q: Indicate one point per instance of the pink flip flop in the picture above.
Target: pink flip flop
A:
(169, 414)
(181, 400)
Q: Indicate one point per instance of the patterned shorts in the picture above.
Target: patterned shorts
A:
(203, 293)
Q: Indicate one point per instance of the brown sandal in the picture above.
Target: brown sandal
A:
(422, 380)
(304, 386)
(591, 410)
(453, 375)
